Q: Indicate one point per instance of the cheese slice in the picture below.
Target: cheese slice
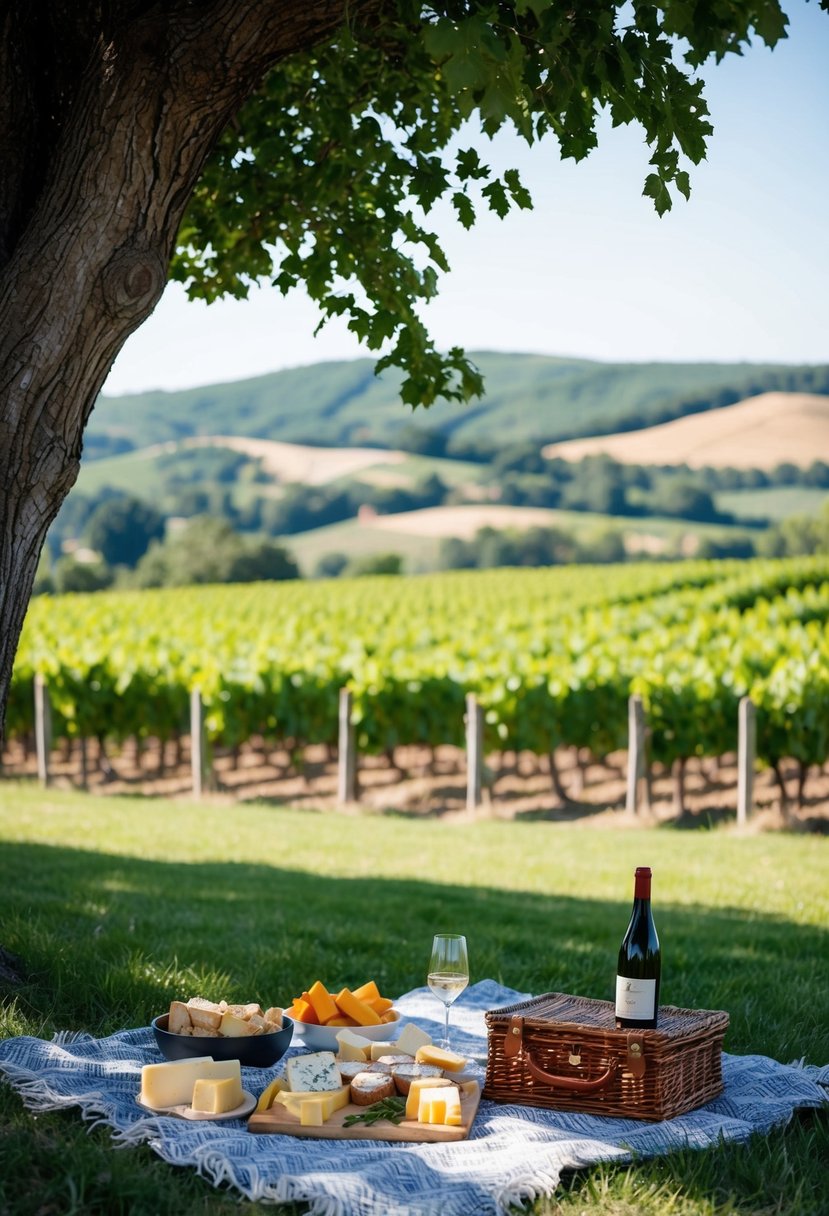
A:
(416, 1089)
(173, 1084)
(410, 1039)
(216, 1096)
(309, 1107)
(435, 1104)
(268, 1094)
(353, 1046)
(314, 1073)
(381, 1049)
(440, 1057)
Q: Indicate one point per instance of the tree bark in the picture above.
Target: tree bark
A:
(92, 198)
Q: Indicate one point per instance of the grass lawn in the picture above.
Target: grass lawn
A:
(116, 906)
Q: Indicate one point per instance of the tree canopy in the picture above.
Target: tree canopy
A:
(327, 176)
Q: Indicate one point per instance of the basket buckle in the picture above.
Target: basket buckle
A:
(636, 1055)
(514, 1038)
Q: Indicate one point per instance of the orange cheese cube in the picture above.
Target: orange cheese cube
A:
(341, 1021)
(380, 1004)
(303, 1011)
(368, 992)
(323, 1002)
(353, 1007)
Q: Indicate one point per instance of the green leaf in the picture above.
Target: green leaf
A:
(656, 189)
(464, 209)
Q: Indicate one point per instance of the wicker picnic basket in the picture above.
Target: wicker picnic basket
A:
(565, 1053)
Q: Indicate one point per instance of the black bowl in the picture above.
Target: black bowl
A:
(257, 1050)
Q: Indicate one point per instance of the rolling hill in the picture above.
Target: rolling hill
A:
(528, 397)
(760, 433)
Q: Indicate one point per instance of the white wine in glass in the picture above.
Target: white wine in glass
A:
(448, 972)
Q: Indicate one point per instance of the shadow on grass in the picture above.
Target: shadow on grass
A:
(107, 941)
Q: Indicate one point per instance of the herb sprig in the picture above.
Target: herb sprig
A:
(390, 1109)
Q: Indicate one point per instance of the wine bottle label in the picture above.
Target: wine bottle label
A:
(635, 998)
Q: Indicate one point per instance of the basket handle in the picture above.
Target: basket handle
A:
(514, 1045)
(577, 1085)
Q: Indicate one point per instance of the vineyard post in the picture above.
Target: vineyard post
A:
(474, 751)
(347, 751)
(43, 729)
(746, 749)
(636, 752)
(198, 744)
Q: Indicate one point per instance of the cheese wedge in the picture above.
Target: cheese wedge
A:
(173, 1084)
(439, 1056)
(313, 1073)
(415, 1090)
(215, 1097)
(353, 1046)
(268, 1094)
(411, 1038)
(353, 1007)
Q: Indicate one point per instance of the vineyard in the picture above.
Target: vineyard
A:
(551, 655)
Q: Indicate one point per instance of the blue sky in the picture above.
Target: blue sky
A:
(741, 272)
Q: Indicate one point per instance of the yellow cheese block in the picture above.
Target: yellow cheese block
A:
(439, 1105)
(417, 1087)
(441, 1058)
(328, 1102)
(173, 1084)
(215, 1097)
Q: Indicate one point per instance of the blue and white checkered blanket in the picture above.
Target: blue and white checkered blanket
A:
(513, 1153)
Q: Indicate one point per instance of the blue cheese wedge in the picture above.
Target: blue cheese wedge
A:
(314, 1073)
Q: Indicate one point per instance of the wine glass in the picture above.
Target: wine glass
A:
(448, 972)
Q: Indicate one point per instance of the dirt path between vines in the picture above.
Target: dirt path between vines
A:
(423, 783)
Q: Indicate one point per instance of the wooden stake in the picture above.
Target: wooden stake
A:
(636, 753)
(43, 729)
(746, 755)
(347, 753)
(199, 765)
(474, 752)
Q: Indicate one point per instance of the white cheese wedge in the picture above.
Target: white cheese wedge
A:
(410, 1039)
(173, 1084)
(353, 1046)
(313, 1073)
(215, 1097)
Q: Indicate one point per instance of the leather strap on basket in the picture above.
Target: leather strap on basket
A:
(636, 1054)
(514, 1045)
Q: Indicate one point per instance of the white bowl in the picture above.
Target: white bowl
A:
(324, 1038)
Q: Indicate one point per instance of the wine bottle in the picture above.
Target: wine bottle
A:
(640, 962)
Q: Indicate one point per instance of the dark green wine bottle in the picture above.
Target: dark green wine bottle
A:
(640, 962)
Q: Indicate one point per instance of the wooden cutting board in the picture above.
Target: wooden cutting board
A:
(279, 1120)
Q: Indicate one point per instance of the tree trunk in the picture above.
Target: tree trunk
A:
(87, 234)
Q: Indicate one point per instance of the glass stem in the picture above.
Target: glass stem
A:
(446, 1028)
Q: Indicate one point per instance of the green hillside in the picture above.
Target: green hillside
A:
(527, 397)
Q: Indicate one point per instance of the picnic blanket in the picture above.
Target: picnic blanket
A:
(514, 1153)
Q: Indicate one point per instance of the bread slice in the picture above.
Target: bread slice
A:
(404, 1074)
(178, 1021)
(349, 1069)
(204, 1014)
(370, 1087)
